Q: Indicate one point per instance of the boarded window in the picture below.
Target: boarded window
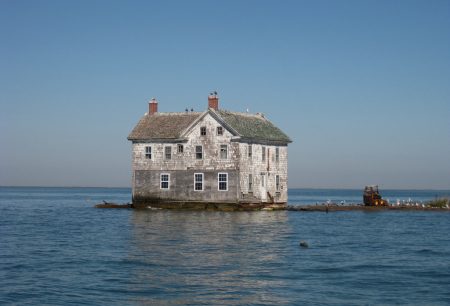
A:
(263, 154)
(223, 181)
(277, 154)
(198, 152)
(148, 152)
(250, 182)
(249, 151)
(223, 151)
(180, 148)
(203, 131)
(164, 181)
(277, 182)
(219, 130)
(168, 152)
(198, 181)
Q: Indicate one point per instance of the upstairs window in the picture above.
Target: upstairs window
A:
(277, 182)
(198, 152)
(198, 181)
(203, 131)
(148, 152)
(223, 181)
(180, 148)
(223, 151)
(249, 151)
(263, 154)
(219, 131)
(250, 182)
(168, 153)
(277, 154)
(164, 181)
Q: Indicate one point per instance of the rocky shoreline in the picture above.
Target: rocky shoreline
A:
(360, 207)
(307, 208)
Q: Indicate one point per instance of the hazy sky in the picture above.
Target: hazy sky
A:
(362, 87)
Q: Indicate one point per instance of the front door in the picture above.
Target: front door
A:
(263, 188)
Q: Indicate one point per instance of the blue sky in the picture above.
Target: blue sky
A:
(362, 87)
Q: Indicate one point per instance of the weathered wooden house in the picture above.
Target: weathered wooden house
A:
(211, 159)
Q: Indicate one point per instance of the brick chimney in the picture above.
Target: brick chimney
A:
(213, 101)
(152, 106)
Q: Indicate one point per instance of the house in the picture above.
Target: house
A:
(212, 159)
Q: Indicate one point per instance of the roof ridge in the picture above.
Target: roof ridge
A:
(257, 115)
(176, 113)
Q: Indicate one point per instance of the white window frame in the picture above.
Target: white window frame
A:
(202, 128)
(219, 128)
(203, 181)
(148, 152)
(219, 181)
(161, 181)
(165, 152)
(226, 151)
(196, 152)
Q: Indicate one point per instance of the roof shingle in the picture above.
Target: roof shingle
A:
(162, 126)
(169, 126)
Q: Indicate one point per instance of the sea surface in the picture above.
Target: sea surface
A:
(57, 249)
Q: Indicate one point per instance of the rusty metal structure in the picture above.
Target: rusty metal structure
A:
(372, 197)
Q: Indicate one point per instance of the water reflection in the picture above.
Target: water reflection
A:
(208, 257)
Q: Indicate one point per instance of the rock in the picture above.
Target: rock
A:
(304, 244)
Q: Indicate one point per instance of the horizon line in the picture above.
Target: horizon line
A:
(316, 188)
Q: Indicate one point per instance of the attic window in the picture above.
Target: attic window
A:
(203, 131)
(219, 131)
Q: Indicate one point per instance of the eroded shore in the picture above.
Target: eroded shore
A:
(304, 208)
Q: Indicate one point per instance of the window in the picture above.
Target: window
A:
(198, 152)
(180, 148)
(223, 181)
(203, 131)
(198, 181)
(168, 152)
(249, 151)
(277, 182)
(219, 130)
(277, 154)
(263, 153)
(250, 182)
(148, 152)
(164, 181)
(262, 180)
(223, 151)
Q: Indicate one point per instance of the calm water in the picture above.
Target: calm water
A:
(56, 249)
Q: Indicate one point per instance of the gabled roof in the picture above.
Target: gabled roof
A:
(174, 126)
(162, 126)
(253, 127)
